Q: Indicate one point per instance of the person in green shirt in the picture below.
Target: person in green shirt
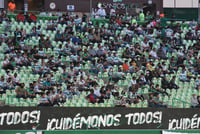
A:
(64, 76)
(86, 55)
(163, 21)
(159, 103)
(163, 32)
(133, 20)
(12, 62)
(30, 91)
(148, 16)
(48, 84)
(141, 16)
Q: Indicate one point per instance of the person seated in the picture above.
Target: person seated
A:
(151, 101)
(116, 76)
(133, 85)
(30, 91)
(15, 79)
(194, 102)
(33, 18)
(48, 85)
(160, 91)
(90, 81)
(21, 91)
(98, 94)
(47, 43)
(20, 17)
(157, 103)
(197, 83)
(82, 84)
(116, 60)
(105, 94)
(92, 98)
(121, 102)
(3, 85)
(9, 84)
(134, 97)
(183, 76)
(165, 83)
(69, 93)
(7, 64)
(59, 36)
(172, 83)
(44, 101)
(125, 66)
(142, 81)
(40, 54)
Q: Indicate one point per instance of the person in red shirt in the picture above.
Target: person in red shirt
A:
(119, 21)
(125, 66)
(92, 98)
(33, 17)
(20, 17)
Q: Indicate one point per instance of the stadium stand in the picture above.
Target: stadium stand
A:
(118, 60)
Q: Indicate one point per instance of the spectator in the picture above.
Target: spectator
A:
(33, 17)
(20, 17)
(44, 101)
(141, 16)
(125, 67)
(92, 98)
(172, 83)
(21, 91)
(101, 13)
(165, 83)
(194, 101)
(158, 103)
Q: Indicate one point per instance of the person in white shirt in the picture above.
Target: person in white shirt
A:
(153, 53)
(133, 85)
(97, 91)
(194, 101)
(116, 60)
(112, 12)
(169, 32)
(197, 83)
(77, 20)
(180, 52)
(83, 85)
(15, 79)
(183, 76)
(101, 13)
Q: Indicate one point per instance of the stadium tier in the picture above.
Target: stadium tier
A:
(115, 61)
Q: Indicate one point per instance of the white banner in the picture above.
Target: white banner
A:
(166, 132)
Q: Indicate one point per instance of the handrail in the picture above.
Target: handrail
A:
(184, 102)
(171, 19)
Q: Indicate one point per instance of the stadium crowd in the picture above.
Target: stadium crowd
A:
(116, 58)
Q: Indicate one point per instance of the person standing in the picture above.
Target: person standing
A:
(141, 16)
(101, 13)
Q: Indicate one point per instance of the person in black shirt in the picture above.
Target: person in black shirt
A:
(173, 84)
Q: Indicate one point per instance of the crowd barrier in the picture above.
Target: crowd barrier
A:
(102, 132)
(56, 118)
